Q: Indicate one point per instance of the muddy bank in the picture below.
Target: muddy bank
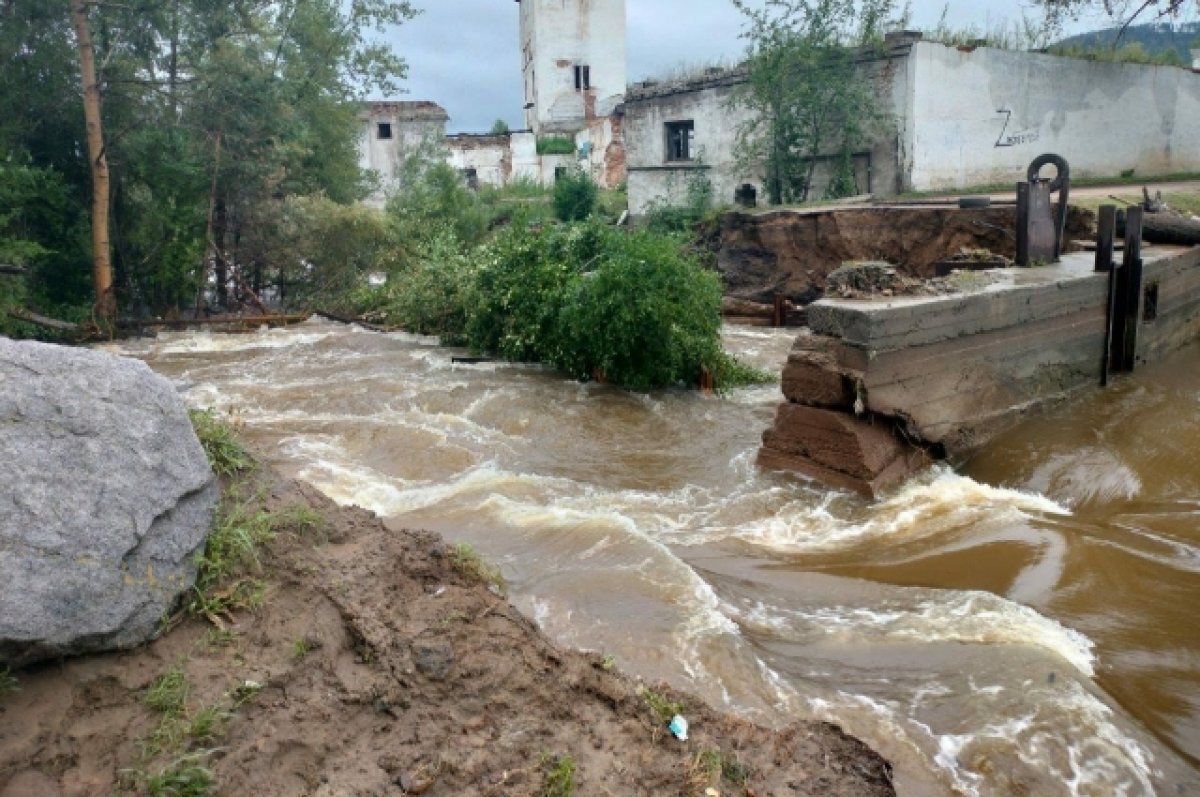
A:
(792, 252)
(380, 664)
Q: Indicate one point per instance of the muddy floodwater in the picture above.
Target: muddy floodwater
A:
(1024, 624)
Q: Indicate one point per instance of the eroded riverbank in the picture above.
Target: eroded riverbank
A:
(379, 665)
(931, 623)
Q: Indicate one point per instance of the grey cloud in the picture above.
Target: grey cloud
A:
(464, 54)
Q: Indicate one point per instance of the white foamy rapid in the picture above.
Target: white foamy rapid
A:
(639, 526)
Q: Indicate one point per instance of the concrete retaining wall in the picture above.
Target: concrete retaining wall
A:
(980, 116)
(948, 373)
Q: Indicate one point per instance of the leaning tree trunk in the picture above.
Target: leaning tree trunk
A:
(105, 307)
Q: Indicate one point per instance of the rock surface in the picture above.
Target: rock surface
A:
(105, 496)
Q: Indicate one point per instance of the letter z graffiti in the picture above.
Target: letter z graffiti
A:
(1006, 139)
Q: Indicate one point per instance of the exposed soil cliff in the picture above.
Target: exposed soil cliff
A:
(792, 252)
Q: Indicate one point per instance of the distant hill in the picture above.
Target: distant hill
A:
(1155, 38)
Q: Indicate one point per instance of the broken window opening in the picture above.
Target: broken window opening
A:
(559, 172)
(384, 130)
(1150, 303)
(583, 78)
(680, 140)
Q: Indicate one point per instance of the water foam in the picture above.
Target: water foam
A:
(925, 507)
(941, 616)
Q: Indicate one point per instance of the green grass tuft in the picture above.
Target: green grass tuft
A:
(8, 682)
(560, 775)
(186, 776)
(169, 692)
(466, 560)
(225, 452)
(662, 707)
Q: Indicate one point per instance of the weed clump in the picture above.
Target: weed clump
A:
(226, 454)
(663, 707)
(466, 560)
(186, 776)
(8, 682)
(169, 693)
(560, 775)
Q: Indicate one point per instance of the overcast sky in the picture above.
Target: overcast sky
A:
(463, 54)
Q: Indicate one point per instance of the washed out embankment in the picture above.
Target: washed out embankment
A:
(792, 252)
(378, 663)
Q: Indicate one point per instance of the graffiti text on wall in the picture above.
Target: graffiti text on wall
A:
(1017, 138)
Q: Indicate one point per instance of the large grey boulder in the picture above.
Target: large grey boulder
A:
(105, 497)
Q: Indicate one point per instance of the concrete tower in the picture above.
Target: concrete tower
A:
(573, 58)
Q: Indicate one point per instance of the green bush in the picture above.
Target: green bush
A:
(645, 317)
(522, 279)
(598, 302)
(429, 296)
(575, 195)
(325, 249)
(664, 216)
(435, 197)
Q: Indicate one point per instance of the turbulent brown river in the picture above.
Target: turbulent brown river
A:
(1024, 624)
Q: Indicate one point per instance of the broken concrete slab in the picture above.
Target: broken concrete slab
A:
(953, 371)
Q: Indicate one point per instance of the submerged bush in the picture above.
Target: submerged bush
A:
(598, 302)
(645, 316)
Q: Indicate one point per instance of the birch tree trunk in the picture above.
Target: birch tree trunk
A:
(105, 306)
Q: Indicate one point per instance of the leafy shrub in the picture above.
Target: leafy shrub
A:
(575, 195)
(521, 282)
(429, 295)
(646, 316)
(326, 249)
(434, 198)
(665, 216)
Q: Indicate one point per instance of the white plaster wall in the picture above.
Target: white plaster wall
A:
(718, 116)
(525, 161)
(1103, 118)
(489, 157)
(652, 179)
(557, 35)
(386, 156)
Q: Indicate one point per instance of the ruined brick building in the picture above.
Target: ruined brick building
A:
(573, 69)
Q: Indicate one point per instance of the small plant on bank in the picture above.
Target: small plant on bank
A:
(206, 724)
(169, 693)
(560, 775)
(184, 777)
(300, 649)
(301, 519)
(8, 682)
(663, 707)
(225, 452)
(466, 560)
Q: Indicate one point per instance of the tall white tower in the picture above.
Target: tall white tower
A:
(573, 57)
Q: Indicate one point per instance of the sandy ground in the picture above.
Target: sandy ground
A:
(378, 667)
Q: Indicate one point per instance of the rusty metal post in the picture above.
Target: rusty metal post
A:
(1106, 226)
(779, 312)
